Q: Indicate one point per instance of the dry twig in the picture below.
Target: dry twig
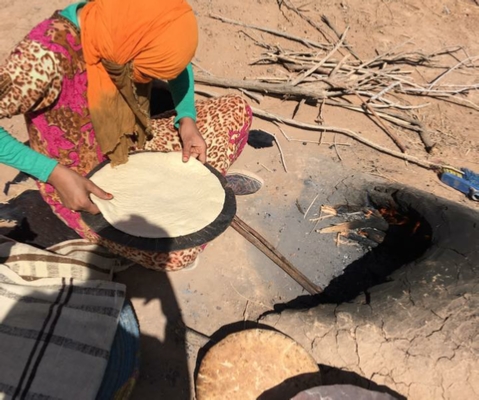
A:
(280, 152)
(326, 20)
(278, 119)
(306, 42)
(273, 117)
(395, 139)
(288, 4)
(267, 88)
(300, 78)
(309, 208)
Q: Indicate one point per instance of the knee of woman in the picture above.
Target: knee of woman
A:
(244, 111)
(239, 102)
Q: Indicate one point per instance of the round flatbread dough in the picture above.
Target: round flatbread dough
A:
(255, 363)
(157, 195)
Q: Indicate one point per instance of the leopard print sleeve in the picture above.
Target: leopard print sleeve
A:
(30, 79)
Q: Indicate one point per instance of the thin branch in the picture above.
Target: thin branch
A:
(306, 42)
(395, 139)
(288, 4)
(277, 89)
(320, 142)
(309, 208)
(384, 91)
(443, 96)
(441, 76)
(197, 65)
(338, 66)
(256, 97)
(326, 20)
(300, 78)
(400, 120)
(265, 167)
(281, 153)
(336, 148)
(298, 106)
(273, 117)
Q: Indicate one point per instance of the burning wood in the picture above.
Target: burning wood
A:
(393, 217)
(366, 226)
(368, 222)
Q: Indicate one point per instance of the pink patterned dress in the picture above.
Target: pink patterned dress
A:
(45, 79)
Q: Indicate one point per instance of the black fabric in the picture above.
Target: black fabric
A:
(35, 222)
(259, 139)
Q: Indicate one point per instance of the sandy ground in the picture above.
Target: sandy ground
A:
(235, 283)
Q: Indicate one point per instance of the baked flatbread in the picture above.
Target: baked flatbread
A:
(157, 195)
(255, 364)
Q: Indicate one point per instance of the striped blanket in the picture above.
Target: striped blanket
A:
(58, 316)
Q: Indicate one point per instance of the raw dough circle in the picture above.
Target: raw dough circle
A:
(157, 195)
(254, 363)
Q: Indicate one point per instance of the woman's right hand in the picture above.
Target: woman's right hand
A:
(74, 190)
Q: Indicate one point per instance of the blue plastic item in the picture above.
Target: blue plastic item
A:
(123, 366)
(467, 183)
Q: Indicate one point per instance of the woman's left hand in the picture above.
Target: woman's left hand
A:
(193, 143)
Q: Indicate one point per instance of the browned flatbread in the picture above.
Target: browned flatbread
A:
(254, 364)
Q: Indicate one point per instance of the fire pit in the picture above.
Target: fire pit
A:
(403, 317)
(393, 235)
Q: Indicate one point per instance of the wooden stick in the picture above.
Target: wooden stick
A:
(426, 140)
(197, 65)
(371, 222)
(280, 152)
(309, 208)
(306, 42)
(289, 5)
(401, 120)
(323, 128)
(443, 96)
(326, 20)
(381, 123)
(300, 78)
(256, 97)
(441, 76)
(265, 167)
(336, 148)
(318, 142)
(318, 92)
(338, 66)
(264, 246)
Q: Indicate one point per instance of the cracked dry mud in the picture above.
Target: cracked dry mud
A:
(418, 334)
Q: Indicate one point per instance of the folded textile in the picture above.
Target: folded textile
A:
(57, 320)
(78, 258)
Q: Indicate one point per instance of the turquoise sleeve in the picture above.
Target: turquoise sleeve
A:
(19, 156)
(70, 12)
(183, 92)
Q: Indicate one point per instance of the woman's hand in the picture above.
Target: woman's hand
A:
(193, 143)
(74, 190)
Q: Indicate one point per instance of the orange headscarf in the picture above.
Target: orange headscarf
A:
(125, 41)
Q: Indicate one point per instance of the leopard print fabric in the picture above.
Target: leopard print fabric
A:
(30, 79)
(224, 123)
(45, 78)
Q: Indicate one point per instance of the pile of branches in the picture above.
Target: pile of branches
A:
(329, 74)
